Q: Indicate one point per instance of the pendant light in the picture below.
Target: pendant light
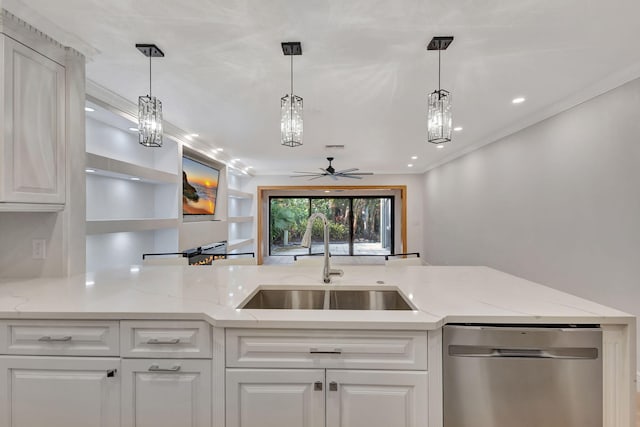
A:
(150, 107)
(439, 121)
(291, 125)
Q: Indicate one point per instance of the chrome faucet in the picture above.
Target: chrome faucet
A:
(327, 271)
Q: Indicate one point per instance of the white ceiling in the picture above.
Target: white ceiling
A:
(364, 73)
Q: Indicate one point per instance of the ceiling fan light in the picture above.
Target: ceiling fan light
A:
(291, 121)
(439, 117)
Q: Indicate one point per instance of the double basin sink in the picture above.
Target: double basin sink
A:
(327, 299)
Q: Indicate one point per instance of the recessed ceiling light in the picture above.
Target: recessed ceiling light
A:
(135, 179)
(89, 109)
(90, 170)
(414, 157)
(440, 146)
(219, 149)
(410, 165)
(188, 137)
(327, 191)
(518, 100)
(458, 129)
(195, 135)
(132, 129)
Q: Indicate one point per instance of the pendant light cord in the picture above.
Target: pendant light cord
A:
(439, 88)
(149, 76)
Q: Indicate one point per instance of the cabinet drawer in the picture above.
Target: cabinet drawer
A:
(179, 339)
(59, 338)
(406, 350)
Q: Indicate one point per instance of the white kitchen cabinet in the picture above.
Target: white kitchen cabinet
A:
(376, 398)
(59, 391)
(32, 126)
(308, 397)
(166, 393)
(275, 397)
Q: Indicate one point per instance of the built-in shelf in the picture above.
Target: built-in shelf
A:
(236, 194)
(30, 207)
(102, 226)
(240, 219)
(238, 243)
(113, 168)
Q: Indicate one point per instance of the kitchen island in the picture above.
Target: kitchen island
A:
(128, 332)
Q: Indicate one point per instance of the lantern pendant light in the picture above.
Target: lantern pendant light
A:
(150, 107)
(439, 120)
(291, 123)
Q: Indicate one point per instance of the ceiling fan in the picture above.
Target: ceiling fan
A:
(330, 171)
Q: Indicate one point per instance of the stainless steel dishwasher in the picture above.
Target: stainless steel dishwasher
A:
(524, 376)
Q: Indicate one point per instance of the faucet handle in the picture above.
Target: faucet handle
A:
(336, 272)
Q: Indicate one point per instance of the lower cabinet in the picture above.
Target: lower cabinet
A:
(59, 391)
(166, 393)
(331, 397)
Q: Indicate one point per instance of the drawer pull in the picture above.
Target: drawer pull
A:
(333, 386)
(317, 386)
(50, 339)
(316, 351)
(156, 368)
(169, 341)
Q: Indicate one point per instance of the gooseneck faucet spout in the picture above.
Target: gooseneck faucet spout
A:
(327, 271)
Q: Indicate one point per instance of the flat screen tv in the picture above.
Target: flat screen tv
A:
(199, 188)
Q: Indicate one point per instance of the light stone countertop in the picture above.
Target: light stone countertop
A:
(441, 295)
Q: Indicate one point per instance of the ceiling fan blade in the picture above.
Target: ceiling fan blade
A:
(359, 173)
(351, 176)
(325, 171)
(305, 172)
(347, 170)
(334, 177)
(316, 177)
(300, 176)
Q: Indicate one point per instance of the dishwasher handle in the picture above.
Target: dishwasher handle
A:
(526, 353)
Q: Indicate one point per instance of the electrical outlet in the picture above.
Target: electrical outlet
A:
(38, 249)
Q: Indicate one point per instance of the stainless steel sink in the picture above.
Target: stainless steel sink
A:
(328, 299)
(367, 300)
(289, 299)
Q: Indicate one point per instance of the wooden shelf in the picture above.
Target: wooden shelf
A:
(240, 219)
(236, 194)
(105, 166)
(30, 207)
(238, 243)
(103, 226)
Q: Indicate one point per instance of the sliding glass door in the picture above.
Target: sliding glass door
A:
(357, 225)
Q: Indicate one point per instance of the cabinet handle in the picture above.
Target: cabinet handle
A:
(333, 386)
(317, 386)
(111, 373)
(334, 351)
(169, 341)
(49, 339)
(156, 368)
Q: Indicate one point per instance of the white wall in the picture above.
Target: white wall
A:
(414, 183)
(557, 203)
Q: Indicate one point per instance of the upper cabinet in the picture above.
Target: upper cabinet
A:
(32, 122)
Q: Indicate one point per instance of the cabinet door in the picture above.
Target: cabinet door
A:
(59, 392)
(275, 398)
(33, 169)
(166, 393)
(376, 398)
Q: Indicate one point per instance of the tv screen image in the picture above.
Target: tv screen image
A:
(199, 188)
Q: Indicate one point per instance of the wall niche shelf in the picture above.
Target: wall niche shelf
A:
(129, 225)
(109, 167)
(236, 244)
(240, 219)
